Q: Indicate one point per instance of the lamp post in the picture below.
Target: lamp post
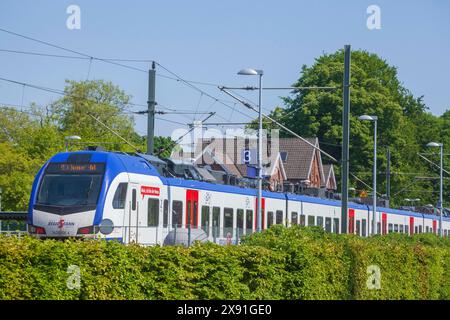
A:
(254, 72)
(440, 204)
(374, 119)
(70, 138)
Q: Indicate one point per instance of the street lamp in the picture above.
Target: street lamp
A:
(254, 72)
(440, 204)
(70, 138)
(374, 119)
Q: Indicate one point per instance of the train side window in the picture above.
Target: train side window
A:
(205, 219)
(427, 229)
(328, 224)
(302, 220)
(320, 222)
(216, 221)
(416, 229)
(311, 221)
(378, 228)
(133, 200)
(358, 227)
(336, 225)
(249, 221)
(390, 227)
(420, 229)
(396, 228)
(240, 221)
(363, 227)
(279, 217)
(177, 213)
(153, 213)
(166, 213)
(400, 228)
(294, 218)
(228, 221)
(120, 196)
(269, 219)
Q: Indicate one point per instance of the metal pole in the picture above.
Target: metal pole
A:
(388, 175)
(259, 216)
(441, 206)
(345, 139)
(151, 109)
(374, 226)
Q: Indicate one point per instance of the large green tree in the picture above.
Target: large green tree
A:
(404, 125)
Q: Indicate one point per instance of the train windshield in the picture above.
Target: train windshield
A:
(69, 190)
(71, 184)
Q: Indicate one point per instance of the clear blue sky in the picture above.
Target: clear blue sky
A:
(211, 40)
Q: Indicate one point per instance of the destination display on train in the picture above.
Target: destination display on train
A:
(76, 168)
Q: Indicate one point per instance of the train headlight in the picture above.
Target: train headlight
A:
(106, 226)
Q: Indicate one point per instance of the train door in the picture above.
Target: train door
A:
(263, 211)
(411, 225)
(384, 223)
(192, 208)
(131, 222)
(351, 221)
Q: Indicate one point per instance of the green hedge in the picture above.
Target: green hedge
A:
(280, 263)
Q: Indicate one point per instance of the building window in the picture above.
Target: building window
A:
(153, 213)
(120, 196)
(177, 213)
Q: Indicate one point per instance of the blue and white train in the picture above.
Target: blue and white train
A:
(123, 197)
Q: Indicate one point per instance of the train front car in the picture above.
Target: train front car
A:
(86, 194)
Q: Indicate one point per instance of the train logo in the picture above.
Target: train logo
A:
(61, 224)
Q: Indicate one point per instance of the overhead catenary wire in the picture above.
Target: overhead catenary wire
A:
(50, 55)
(187, 82)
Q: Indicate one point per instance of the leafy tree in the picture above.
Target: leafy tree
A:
(404, 125)
(86, 100)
